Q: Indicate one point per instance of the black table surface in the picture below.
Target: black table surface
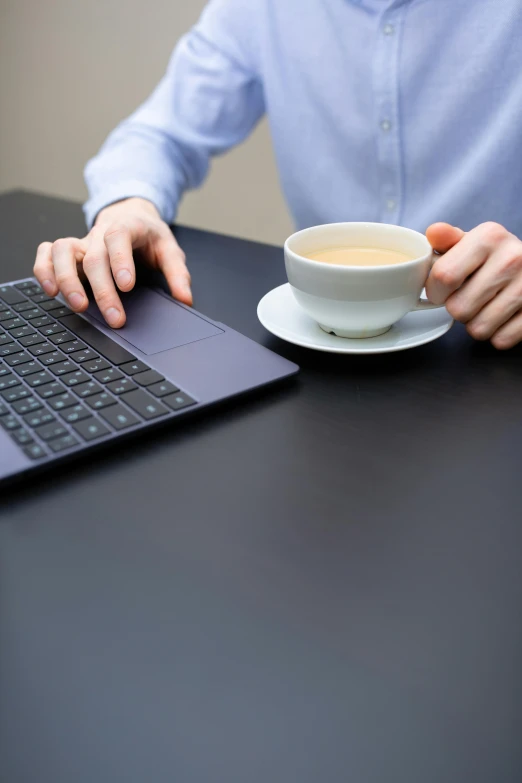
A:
(322, 583)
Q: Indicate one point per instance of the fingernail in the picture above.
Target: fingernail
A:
(112, 315)
(75, 300)
(48, 287)
(123, 277)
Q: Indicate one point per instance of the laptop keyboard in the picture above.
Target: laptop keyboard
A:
(64, 383)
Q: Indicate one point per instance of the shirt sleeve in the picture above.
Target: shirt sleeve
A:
(209, 100)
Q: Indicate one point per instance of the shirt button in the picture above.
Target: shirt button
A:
(386, 125)
(388, 29)
(391, 204)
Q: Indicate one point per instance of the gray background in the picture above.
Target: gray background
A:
(70, 70)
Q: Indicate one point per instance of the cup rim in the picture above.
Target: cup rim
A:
(345, 268)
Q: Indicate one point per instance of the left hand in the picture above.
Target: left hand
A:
(479, 279)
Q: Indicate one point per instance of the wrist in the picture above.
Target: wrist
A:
(133, 204)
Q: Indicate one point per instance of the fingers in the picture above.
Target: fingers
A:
(508, 335)
(97, 268)
(171, 261)
(65, 254)
(451, 270)
(500, 271)
(43, 269)
(118, 242)
(497, 313)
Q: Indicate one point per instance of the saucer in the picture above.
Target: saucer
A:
(279, 312)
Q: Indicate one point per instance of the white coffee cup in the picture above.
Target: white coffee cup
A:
(358, 301)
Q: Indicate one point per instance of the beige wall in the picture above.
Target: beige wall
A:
(71, 69)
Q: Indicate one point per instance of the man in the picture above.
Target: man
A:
(400, 111)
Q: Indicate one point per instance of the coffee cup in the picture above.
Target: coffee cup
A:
(358, 301)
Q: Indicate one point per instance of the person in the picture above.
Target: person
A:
(398, 111)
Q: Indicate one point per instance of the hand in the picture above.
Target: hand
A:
(479, 279)
(104, 257)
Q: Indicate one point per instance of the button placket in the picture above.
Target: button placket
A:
(386, 95)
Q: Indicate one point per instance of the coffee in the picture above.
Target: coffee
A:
(359, 256)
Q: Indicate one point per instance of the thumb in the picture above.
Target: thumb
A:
(442, 237)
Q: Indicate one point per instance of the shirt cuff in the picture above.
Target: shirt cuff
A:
(129, 189)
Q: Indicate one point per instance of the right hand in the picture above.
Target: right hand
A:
(104, 257)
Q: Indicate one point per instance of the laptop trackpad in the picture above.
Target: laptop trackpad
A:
(155, 323)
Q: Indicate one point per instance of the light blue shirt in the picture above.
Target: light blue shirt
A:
(403, 111)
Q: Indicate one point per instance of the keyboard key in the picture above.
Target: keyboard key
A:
(61, 312)
(91, 429)
(5, 338)
(61, 368)
(97, 401)
(83, 354)
(144, 404)
(4, 410)
(32, 339)
(52, 358)
(44, 320)
(38, 298)
(52, 430)
(25, 284)
(6, 315)
(87, 389)
(39, 350)
(32, 290)
(28, 368)
(58, 337)
(133, 367)
(93, 365)
(50, 390)
(119, 387)
(39, 378)
(178, 401)
(28, 405)
(7, 350)
(19, 308)
(106, 376)
(9, 422)
(10, 295)
(4, 369)
(62, 401)
(18, 393)
(32, 314)
(21, 436)
(75, 378)
(8, 380)
(52, 304)
(23, 331)
(39, 417)
(119, 417)
(148, 377)
(65, 442)
(54, 328)
(13, 323)
(17, 358)
(97, 340)
(162, 388)
(77, 413)
(35, 451)
(75, 347)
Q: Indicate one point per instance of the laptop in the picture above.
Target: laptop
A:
(69, 383)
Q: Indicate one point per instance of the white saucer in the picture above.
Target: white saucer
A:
(279, 312)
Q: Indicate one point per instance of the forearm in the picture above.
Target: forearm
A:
(208, 101)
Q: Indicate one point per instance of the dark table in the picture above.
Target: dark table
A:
(320, 584)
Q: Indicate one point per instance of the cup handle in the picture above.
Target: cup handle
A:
(425, 304)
